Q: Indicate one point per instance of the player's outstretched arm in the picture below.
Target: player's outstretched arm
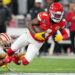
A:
(35, 22)
(38, 35)
(3, 64)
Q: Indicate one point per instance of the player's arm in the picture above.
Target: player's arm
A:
(1, 62)
(30, 25)
(37, 35)
(63, 37)
(64, 33)
(36, 22)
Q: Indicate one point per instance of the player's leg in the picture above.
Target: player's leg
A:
(31, 53)
(18, 56)
(19, 43)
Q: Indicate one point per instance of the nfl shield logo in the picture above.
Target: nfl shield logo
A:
(44, 21)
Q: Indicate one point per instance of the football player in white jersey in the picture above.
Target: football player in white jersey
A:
(5, 43)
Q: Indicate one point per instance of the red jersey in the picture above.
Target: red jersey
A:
(69, 17)
(46, 25)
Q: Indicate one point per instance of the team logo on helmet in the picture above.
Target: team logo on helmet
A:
(4, 38)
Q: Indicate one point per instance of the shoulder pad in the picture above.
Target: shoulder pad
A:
(42, 15)
(63, 23)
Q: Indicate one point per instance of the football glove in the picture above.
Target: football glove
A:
(39, 36)
(58, 38)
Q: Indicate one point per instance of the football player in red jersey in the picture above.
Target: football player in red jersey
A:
(48, 24)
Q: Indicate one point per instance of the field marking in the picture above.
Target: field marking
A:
(35, 69)
(38, 74)
(59, 57)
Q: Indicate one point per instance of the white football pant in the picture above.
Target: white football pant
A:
(24, 40)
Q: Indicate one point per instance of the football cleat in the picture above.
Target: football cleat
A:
(7, 59)
(25, 61)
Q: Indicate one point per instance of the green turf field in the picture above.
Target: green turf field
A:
(44, 65)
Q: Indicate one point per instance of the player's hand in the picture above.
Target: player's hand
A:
(39, 36)
(58, 38)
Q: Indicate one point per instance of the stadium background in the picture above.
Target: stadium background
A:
(62, 61)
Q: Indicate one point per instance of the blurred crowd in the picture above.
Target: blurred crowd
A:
(17, 13)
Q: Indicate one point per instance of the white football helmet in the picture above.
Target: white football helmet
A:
(5, 40)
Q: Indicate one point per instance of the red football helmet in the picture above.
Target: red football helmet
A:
(56, 12)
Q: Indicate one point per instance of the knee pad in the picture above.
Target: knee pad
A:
(25, 61)
(10, 52)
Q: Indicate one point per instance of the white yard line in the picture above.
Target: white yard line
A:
(39, 74)
(59, 57)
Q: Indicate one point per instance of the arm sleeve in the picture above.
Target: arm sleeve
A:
(64, 34)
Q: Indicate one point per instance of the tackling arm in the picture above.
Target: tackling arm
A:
(1, 62)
